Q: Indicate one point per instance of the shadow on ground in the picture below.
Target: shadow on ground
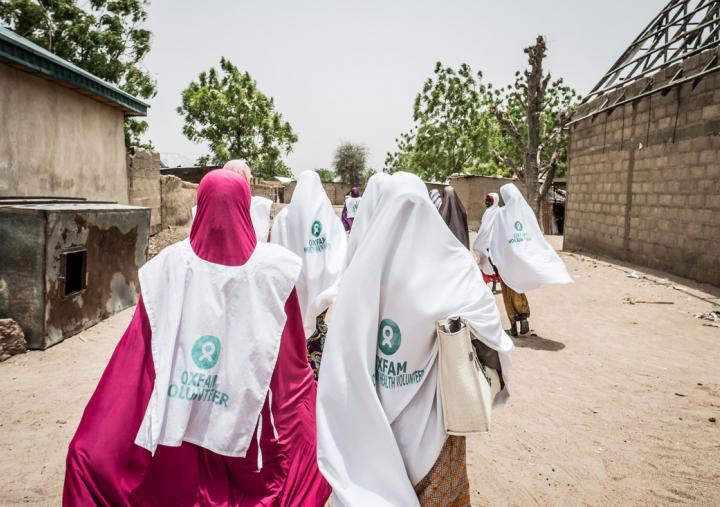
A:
(536, 342)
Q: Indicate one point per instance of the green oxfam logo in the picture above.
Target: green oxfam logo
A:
(518, 226)
(316, 228)
(206, 351)
(388, 337)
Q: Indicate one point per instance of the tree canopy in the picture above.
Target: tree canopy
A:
(226, 109)
(350, 164)
(103, 37)
(456, 128)
(326, 175)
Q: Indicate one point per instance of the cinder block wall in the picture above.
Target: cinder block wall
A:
(644, 180)
(143, 174)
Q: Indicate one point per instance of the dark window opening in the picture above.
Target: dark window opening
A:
(75, 271)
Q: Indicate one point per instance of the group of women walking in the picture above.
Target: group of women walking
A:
(279, 367)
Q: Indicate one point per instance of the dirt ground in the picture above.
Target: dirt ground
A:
(612, 401)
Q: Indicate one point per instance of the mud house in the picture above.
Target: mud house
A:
(70, 245)
(644, 177)
(62, 127)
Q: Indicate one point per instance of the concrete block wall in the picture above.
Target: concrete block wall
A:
(644, 180)
(143, 174)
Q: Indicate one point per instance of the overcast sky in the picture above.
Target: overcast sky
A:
(349, 71)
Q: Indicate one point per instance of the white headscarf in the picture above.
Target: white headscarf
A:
(310, 228)
(260, 208)
(365, 211)
(523, 257)
(379, 415)
(481, 247)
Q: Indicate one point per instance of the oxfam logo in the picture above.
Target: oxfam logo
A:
(206, 351)
(316, 228)
(518, 226)
(388, 337)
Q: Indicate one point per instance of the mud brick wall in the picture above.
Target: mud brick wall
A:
(143, 171)
(644, 179)
(177, 199)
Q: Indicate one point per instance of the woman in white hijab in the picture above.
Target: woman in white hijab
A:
(481, 246)
(310, 228)
(524, 259)
(365, 212)
(379, 415)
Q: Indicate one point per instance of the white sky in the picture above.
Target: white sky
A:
(349, 71)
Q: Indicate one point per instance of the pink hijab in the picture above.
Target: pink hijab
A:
(222, 232)
(105, 467)
(239, 166)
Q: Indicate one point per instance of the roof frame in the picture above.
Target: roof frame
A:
(682, 29)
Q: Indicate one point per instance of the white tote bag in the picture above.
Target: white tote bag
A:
(467, 386)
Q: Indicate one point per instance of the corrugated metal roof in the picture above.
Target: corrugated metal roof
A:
(19, 51)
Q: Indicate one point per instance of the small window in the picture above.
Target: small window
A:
(75, 268)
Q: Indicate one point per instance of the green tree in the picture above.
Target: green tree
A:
(103, 37)
(533, 114)
(226, 109)
(268, 167)
(350, 163)
(453, 129)
(326, 175)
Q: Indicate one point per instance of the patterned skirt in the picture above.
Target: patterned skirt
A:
(316, 343)
(446, 484)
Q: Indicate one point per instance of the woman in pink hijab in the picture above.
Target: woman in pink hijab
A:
(133, 445)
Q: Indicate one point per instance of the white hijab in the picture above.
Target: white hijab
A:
(379, 415)
(365, 211)
(481, 246)
(523, 257)
(260, 208)
(310, 228)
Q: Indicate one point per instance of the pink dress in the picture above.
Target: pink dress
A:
(105, 467)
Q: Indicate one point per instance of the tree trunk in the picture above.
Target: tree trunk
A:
(533, 107)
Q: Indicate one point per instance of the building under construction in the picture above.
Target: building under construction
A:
(644, 179)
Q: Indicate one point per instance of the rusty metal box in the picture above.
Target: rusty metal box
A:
(65, 266)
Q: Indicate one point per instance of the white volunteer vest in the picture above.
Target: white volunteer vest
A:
(351, 205)
(215, 338)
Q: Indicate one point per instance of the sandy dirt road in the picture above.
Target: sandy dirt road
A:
(611, 401)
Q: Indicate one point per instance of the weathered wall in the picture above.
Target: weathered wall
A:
(57, 142)
(143, 175)
(177, 199)
(335, 192)
(115, 238)
(644, 180)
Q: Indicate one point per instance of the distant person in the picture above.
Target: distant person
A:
(208, 398)
(523, 257)
(481, 246)
(352, 201)
(260, 207)
(310, 228)
(453, 213)
(381, 438)
(435, 198)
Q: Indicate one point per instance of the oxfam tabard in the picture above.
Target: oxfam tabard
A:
(520, 235)
(317, 243)
(388, 373)
(198, 386)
